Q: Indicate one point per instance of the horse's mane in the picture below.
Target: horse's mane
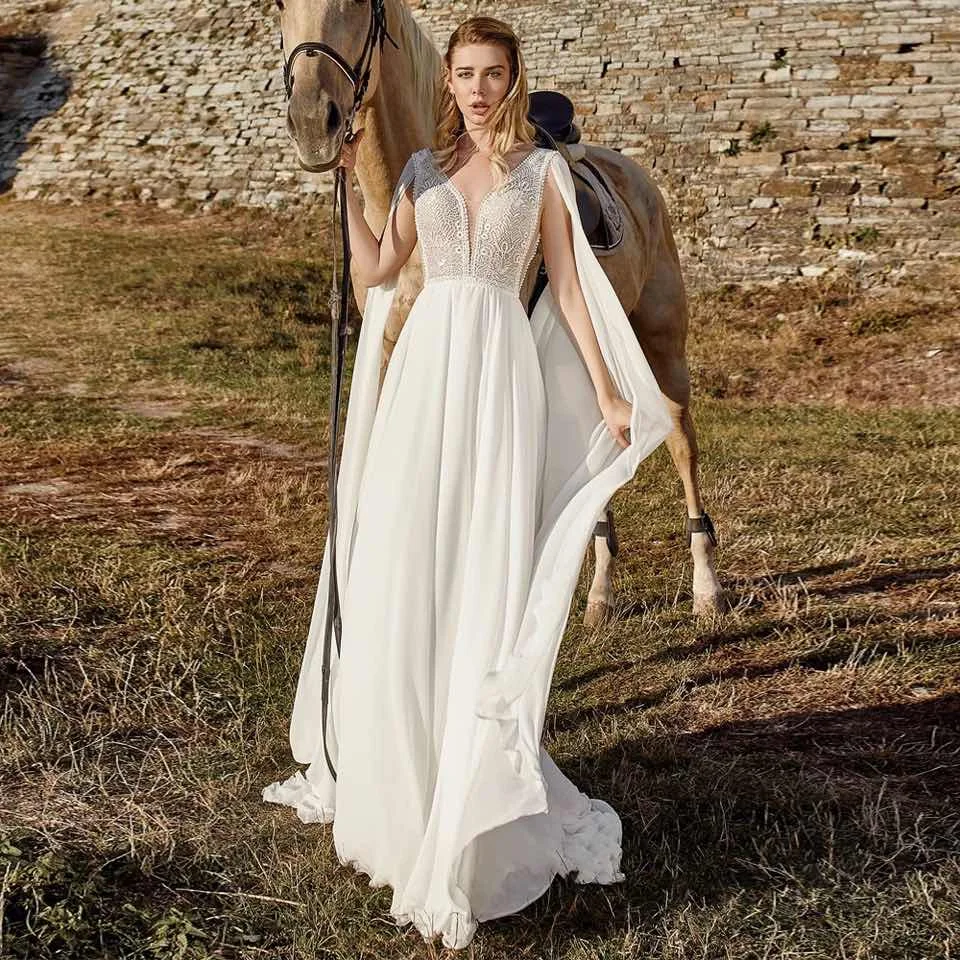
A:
(416, 43)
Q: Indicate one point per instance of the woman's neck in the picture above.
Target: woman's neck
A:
(477, 140)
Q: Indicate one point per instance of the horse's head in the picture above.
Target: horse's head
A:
(339, 35)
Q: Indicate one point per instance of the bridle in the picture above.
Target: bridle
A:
(359, 73)
(359, 77)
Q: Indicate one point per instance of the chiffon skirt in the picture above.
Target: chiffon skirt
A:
(433, 797)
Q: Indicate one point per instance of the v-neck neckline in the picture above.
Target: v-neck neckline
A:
(462, 200)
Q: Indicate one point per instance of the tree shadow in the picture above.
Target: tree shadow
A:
(64, 898)
(32, 87)
(820, 659)
(826, 569)
(572, 683)
(825, 799)
(769, 629)
(881, 582)
(741, 588)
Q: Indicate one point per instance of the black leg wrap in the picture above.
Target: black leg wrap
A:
(608, 531)
(701, 524)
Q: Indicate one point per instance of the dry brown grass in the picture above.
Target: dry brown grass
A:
(786, 775)
(831, 340)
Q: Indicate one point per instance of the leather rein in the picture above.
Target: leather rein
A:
(359, 76)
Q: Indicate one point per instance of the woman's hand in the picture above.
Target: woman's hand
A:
(348, 152)
(616, 414)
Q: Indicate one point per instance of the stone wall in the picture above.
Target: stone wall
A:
(170, 102)
(786, 136)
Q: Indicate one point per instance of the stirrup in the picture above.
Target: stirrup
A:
(701, 524)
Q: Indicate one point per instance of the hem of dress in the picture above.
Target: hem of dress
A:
(455, 927)
(298, 792)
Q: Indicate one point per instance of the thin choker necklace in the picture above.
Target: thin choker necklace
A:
(475, 149)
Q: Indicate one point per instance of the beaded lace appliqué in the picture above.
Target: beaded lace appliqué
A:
(506, 222)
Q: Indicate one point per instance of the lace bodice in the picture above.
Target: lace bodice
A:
(494, 243)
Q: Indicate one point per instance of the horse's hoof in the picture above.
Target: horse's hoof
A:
(597, 614)
(710, 604)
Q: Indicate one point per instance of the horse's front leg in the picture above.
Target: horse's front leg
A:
(708, 594)
(605, 549)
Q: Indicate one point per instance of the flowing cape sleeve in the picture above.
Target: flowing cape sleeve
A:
(306, 726)
(584, 467)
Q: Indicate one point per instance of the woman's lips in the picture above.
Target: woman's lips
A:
(478, 108)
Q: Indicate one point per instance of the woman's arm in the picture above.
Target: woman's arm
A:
(556, 238)
(377, 260)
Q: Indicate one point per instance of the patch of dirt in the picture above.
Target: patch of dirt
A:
(269, 448)
(200, 487)
(154, 409)
(53, 487)
(32, 367)
(19, 369)
(76, 389)
(10, 379)
(203, 486)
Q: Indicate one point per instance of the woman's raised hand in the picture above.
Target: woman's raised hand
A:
(348, 152)
(616, 414)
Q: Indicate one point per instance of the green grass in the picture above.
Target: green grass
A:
(786, 775)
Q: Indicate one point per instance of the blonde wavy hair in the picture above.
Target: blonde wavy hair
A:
(508, 123)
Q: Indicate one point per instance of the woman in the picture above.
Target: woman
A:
(467, 495)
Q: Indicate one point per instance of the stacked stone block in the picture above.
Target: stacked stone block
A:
(169, 102)
(786, 136)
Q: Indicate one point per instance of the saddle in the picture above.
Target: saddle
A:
(601, 214)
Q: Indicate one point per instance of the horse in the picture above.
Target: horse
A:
(375, 58)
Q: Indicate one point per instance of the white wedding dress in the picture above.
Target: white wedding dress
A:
(467, 497)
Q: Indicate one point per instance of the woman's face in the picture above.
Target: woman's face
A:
(479, 80)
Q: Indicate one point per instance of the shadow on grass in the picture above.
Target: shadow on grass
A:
(581, 679)
(68, 901)
(824, 801)
(814, 660)
(741, 588)
(924, 571)
(884, 581)
(772, 628)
